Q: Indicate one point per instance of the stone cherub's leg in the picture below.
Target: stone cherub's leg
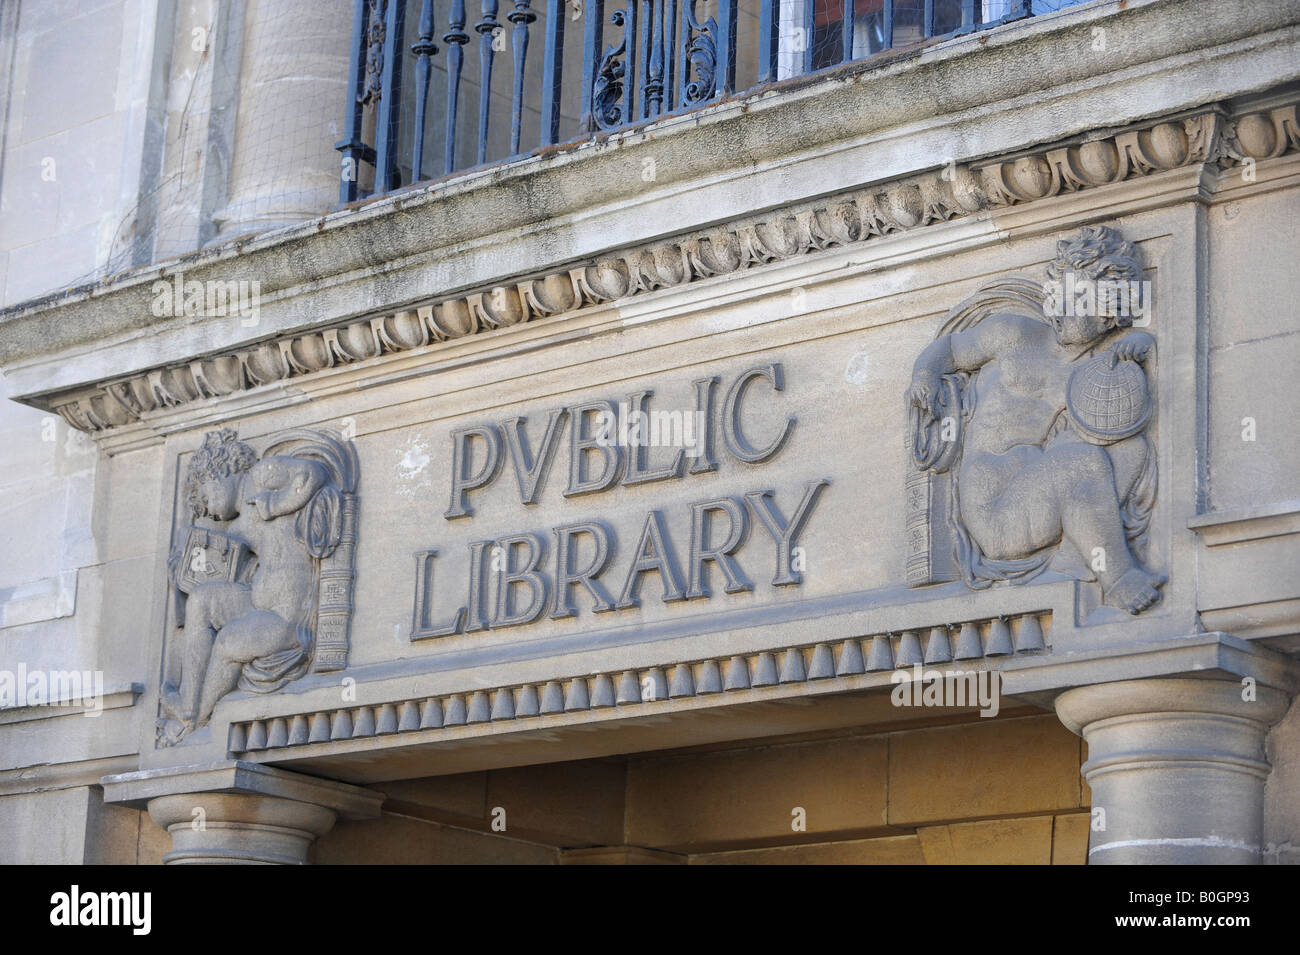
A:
(207, 610)
(1091, 521)
(252, 635)
(1128, 459)
(1066, 491)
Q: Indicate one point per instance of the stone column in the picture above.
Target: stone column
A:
(289, 109)
(234, 812)
(1176, 767)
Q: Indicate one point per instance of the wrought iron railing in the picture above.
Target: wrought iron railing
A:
(414, 116)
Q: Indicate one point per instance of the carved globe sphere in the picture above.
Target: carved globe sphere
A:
(1108, 403)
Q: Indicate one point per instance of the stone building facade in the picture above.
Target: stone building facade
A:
(890, 462)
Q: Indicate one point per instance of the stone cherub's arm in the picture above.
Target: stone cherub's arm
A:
(967, 350)
(281, 485)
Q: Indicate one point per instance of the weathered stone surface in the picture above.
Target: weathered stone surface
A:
(1070, 838)
(885, 850)
(993, 842)
(990, 768)
(753, 795)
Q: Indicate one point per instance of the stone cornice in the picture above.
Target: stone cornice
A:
(136, 789)
(111, 699)
(1001, 91)
(1206, 137)
(48, 777)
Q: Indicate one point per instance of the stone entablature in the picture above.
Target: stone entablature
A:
(775, 450)
(1206, 137)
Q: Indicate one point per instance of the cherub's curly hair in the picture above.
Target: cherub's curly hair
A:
(1099, 253)
(221, 455)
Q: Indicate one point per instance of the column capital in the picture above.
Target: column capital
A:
(237, 812)
(1176, 767)
(1086, 705)
(239, 828)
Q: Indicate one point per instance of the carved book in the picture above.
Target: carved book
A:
(211, 555)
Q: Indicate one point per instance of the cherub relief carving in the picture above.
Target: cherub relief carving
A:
(1034, 416)
(264, 570)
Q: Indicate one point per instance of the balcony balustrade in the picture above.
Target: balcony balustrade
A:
(419, 110)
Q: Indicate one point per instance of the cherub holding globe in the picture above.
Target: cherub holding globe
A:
(1040, 418)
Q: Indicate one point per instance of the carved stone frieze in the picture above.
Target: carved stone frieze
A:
(843, 220)
(1260, 135)
(1027, 420)
(261, 570)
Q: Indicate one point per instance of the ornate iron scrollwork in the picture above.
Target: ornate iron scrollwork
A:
(701, 58)
(607, 91)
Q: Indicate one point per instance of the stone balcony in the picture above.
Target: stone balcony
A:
(1009, 96)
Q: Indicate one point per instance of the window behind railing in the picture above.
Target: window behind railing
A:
(445, 86)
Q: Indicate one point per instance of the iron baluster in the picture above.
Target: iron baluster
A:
(611, 74)
(487, 28)
(726, 71)
(629, 47)
(353, 149)
(768, 16)
(654, 87)
(455, 38)
(887, 26)
(927, 22)
(424, 48)
(552, 62)
(849, 12)
(386, 178)
(687, 36)
(521, 17)
(643, 58)
(591, 61)
(670, 55)
(699, 57)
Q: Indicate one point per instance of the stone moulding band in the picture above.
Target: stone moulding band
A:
(834, 660)
(1206, 136)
